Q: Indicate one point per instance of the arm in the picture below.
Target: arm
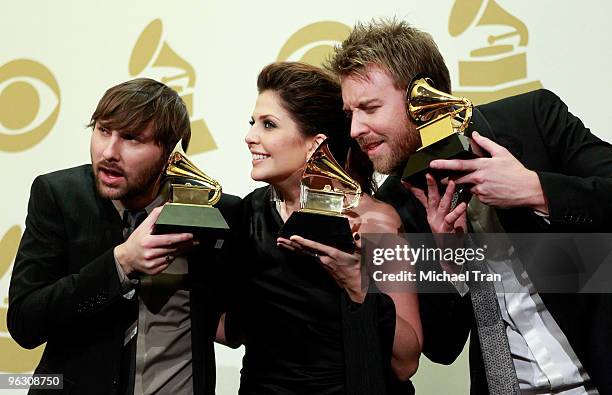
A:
(46, 295)
(572, 176)
(408, 337)
(346, 270)
(446, 316)
(500, 180)
(578, 190)
(43, 294)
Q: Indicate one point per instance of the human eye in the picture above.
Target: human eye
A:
(251, 121)
(268, 124)
(348, 114)
(102, 129)
(131, 138)
(371, 109)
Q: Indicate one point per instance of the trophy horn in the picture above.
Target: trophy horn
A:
(426, 103)
(327, 191)
(180, 168)
(465, 12)
(323, 165)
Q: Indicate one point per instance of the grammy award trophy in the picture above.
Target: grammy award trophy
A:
(327, 191)
(192, 196)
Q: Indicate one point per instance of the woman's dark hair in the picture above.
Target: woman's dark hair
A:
(313, 98)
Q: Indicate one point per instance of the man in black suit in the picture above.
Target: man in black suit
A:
(121, 310)
(546, 173)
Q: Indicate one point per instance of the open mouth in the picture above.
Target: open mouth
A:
(259, 156)
(110, 176)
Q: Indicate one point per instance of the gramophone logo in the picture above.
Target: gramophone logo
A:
(155, 58)
(13, 358)
(29, 104)
(498, 67)
(313, 44)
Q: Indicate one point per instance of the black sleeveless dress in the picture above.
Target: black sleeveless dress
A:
(302, 333)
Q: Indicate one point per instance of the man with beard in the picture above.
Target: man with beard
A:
(122, 310)
(545, 172)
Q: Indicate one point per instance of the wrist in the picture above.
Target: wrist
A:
(357, 289)
(122, 259)
(357, 296)
(536, 199)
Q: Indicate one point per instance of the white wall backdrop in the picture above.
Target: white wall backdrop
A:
(59, 57)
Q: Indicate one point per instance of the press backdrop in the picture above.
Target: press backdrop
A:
(59, 57)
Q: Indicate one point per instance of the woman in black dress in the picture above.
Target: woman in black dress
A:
(307, 324)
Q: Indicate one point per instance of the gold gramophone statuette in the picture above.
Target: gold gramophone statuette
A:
(327, 191)
(443, 121)
(190, 204)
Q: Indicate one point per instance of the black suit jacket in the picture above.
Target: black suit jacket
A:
(65, 289)
(575, 170)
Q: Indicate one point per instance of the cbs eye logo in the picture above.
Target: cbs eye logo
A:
(313, 43)
(29, 104)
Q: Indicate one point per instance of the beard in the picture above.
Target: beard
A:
(401, 146)
(136, 184)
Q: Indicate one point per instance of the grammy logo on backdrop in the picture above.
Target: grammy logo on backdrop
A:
(13, 358)
(158, 60)
(497, 69)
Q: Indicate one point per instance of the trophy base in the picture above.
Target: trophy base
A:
(331, 230)
(205, 222)
(455, 146)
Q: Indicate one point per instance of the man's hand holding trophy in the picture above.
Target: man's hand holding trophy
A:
(191, 198)
(445, 125)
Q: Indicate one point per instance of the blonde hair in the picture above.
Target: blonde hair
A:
(394, 46)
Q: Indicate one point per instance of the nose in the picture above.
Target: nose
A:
(252, 137)
(358, 127)
(112, 150)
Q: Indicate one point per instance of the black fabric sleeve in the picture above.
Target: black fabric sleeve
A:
(579, 191)
(368, 333)
(43, 294)
(446, 319)
(362, 354)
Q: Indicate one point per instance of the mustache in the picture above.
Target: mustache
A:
(110, 166)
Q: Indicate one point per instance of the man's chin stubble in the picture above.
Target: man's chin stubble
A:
(104, 192)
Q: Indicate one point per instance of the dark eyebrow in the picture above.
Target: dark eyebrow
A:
(262, 116)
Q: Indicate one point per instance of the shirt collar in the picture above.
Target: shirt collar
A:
(274, 195)
(158, 201)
